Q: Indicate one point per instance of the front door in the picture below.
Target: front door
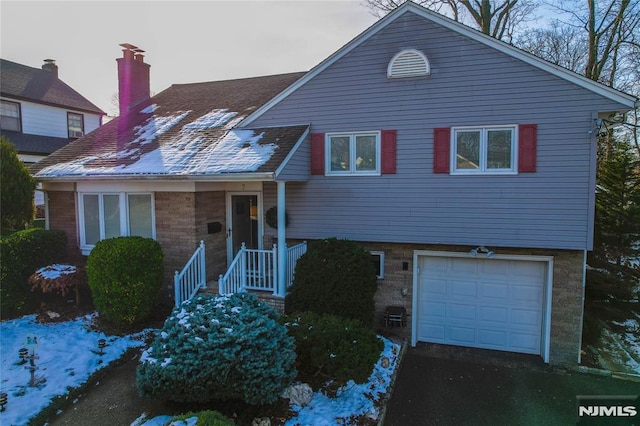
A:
(243, 216)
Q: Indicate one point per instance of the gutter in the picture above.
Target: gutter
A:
(265, 176)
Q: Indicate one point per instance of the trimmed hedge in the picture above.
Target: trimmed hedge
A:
(335, 277)
(125, 275)
(21, 254)
(337, 347)
(219, 348)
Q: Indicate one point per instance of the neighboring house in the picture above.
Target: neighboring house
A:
(39, 112)
(465, 165)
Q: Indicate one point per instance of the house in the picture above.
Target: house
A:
(466, 166)
(39, 112)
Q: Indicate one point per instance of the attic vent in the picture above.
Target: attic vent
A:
(408, 63)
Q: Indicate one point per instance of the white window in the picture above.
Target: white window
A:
(75, 124)
(486, 150)
(108, 215)
(377, 257)
(10, 116)
(353, 153)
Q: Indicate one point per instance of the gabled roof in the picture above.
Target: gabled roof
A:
(186, 131)
(409, 7)
(34, 144)
(36, 85)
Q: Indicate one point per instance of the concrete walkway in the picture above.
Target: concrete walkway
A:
(458, 386)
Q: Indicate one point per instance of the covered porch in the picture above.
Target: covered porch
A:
(250, 266)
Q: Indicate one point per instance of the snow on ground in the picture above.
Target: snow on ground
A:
(67, 356)
(351, 400)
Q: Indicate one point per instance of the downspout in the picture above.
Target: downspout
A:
(282, 241)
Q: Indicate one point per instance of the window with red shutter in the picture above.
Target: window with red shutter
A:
(389, 151)
(527, 147)
(441, 149)
(317, 153)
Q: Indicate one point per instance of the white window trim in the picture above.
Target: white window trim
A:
(381, 254)
(483, 151)
(352, 154)
(124, 215)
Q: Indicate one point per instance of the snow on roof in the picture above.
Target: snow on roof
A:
(190, 151)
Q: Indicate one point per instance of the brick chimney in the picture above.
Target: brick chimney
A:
(50, 66)
(134, 84)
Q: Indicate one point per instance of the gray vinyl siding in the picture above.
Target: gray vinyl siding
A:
(297, 168)
(470, 84)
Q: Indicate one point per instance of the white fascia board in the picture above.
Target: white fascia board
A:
(625, 99)
(292, 152)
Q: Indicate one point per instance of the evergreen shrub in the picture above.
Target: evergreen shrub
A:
(219, 348)
(21, 254)
(16, 192)
(205, 418)
(125, 275)
(335, 277)
(337, 347)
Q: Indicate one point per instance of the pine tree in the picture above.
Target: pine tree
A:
(618, 204)
(16, 189)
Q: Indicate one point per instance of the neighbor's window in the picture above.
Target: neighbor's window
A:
(10, 116)
(377, 257)
(104, 215)
(75, 124)
(353, 153)
(484, 150)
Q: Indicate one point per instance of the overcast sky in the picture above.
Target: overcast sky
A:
(184, 41)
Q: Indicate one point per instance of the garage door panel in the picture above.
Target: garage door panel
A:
(464, 289)
(495, 291)
(435, 310)
(485, 303)
(462, 335)
(493, 314)
(525, 343)
(524, 317)
(492, 338)
(463, 266)
(458, 311)
(432, 333)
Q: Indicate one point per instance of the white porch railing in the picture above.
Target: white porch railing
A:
(258, 269)
(192, 277)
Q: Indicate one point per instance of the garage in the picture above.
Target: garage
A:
(492, 303)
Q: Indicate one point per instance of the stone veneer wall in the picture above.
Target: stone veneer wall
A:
(567, 291)
(62, 214)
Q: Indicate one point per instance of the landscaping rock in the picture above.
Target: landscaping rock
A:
(298, 394)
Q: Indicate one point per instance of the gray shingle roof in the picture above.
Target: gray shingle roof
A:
(185, 130)
(33, 84)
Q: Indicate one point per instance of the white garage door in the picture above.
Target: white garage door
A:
(482, 303)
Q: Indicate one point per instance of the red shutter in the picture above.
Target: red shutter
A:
(389, 151)
(441, 149)
(527, 141)
(317, 153)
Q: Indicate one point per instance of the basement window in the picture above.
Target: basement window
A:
(408, 63)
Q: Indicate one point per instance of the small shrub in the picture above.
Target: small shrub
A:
(335, 277)
(16, 193)
(21, 254)
(205, 418)
(125, 275)
(218, 348)
(337, 347)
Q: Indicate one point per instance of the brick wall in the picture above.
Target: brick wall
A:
(62, 214)
(210, 207)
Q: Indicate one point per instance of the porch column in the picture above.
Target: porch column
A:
(282, 242)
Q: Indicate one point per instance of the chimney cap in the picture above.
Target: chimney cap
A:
(49, 61)
(131, 47)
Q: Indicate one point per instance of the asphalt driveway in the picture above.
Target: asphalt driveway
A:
(439, 385)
